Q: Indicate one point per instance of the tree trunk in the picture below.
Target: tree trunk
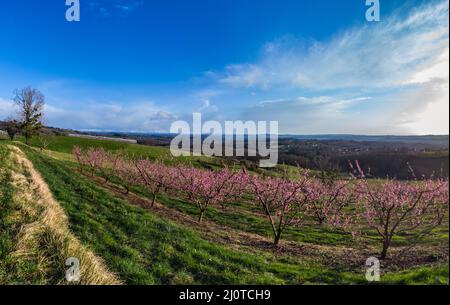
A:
(153, 199)
(200, 218)
(385, 249)
(276, 241)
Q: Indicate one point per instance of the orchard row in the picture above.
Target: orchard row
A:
(389, 207)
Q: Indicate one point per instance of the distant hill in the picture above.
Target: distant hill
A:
(163, 139)
(49, 130)
(438, 140)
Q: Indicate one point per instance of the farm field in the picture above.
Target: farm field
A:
(65, 144)
(164, 244)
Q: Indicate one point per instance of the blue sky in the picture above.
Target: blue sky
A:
(315, 66)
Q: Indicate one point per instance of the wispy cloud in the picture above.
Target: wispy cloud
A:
(401, 62)
(385, 54)
(310, 114)
(208, 107)
(111, 8)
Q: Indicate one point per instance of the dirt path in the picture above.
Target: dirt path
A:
(50, 228)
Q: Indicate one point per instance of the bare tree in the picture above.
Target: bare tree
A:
(12, 128)
(31, 103)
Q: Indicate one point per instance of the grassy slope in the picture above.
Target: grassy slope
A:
(64, 146)
(13, 271)
(35, 239)
(6, 193)
(143, 248)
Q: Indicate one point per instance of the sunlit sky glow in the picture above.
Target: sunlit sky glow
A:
(318, 67)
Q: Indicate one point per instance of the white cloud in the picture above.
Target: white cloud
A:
(425, 108)
(323, 114)
(7, 108)
(384, 54)
(145, 117)
(402, 62)
(436, 69)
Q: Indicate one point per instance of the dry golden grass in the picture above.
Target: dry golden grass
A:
(48, 239)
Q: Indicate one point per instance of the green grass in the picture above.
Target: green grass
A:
(13, 271)
(64, 146)
(437, 275)
(6, 193)
(238, 219)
